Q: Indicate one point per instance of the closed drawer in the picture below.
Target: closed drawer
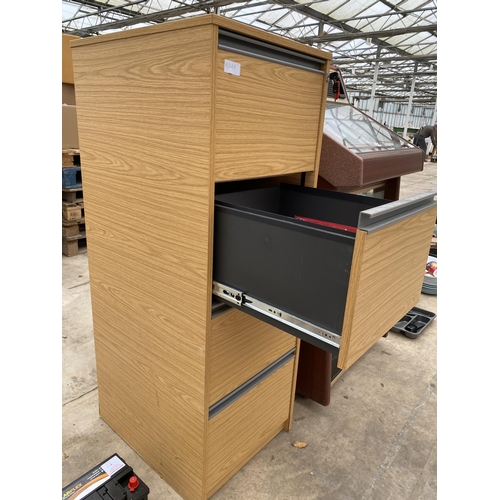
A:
(240, 347)
(339, 287)
(269, 109)
(238, 432)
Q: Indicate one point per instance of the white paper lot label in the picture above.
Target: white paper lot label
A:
(114, 464)
(232, 67)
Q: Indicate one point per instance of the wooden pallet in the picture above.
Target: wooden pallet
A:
(73, 216)
(72, 212)
(74, 237)
(70, 158)
(71, 247)
(72, 196)
(73, 228)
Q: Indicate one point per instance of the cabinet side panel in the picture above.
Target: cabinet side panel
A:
(386, 281)
(144, 117)
(267, 118)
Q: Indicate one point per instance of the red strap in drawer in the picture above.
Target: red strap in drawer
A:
(328, 224)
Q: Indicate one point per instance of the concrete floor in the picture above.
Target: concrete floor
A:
(377, 440)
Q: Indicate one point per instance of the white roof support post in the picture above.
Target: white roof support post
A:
(434, 115)
(371, 104)
(408, 111)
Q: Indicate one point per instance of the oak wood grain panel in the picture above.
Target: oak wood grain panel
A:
(268, 120)
(240, 347)
(385, 283)
(236, 434)
(144, 116)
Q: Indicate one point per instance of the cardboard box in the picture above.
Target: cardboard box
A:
(67, 61)
(69, 127)
(68, 94)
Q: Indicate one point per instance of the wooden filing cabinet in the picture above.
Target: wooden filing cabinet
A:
(168, 115)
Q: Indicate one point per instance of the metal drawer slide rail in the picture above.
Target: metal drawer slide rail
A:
(240, 299)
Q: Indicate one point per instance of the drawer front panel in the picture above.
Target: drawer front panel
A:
(240, 347)
(236, 434)
(268, 118)
(386, 281)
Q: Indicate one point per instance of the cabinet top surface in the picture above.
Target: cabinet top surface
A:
(203, 20)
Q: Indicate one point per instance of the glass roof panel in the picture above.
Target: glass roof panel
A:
(353, 8)
(432, 18)
(161, 4)
(325, 7)
(69, 10)
(422, 49)
(272, 15)
(248, 18)
(414, 4)
(374, 11)
(291, 19)
(384, 22)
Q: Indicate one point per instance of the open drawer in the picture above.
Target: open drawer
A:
(335, 269)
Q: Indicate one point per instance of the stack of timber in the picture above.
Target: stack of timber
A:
(73, 216)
